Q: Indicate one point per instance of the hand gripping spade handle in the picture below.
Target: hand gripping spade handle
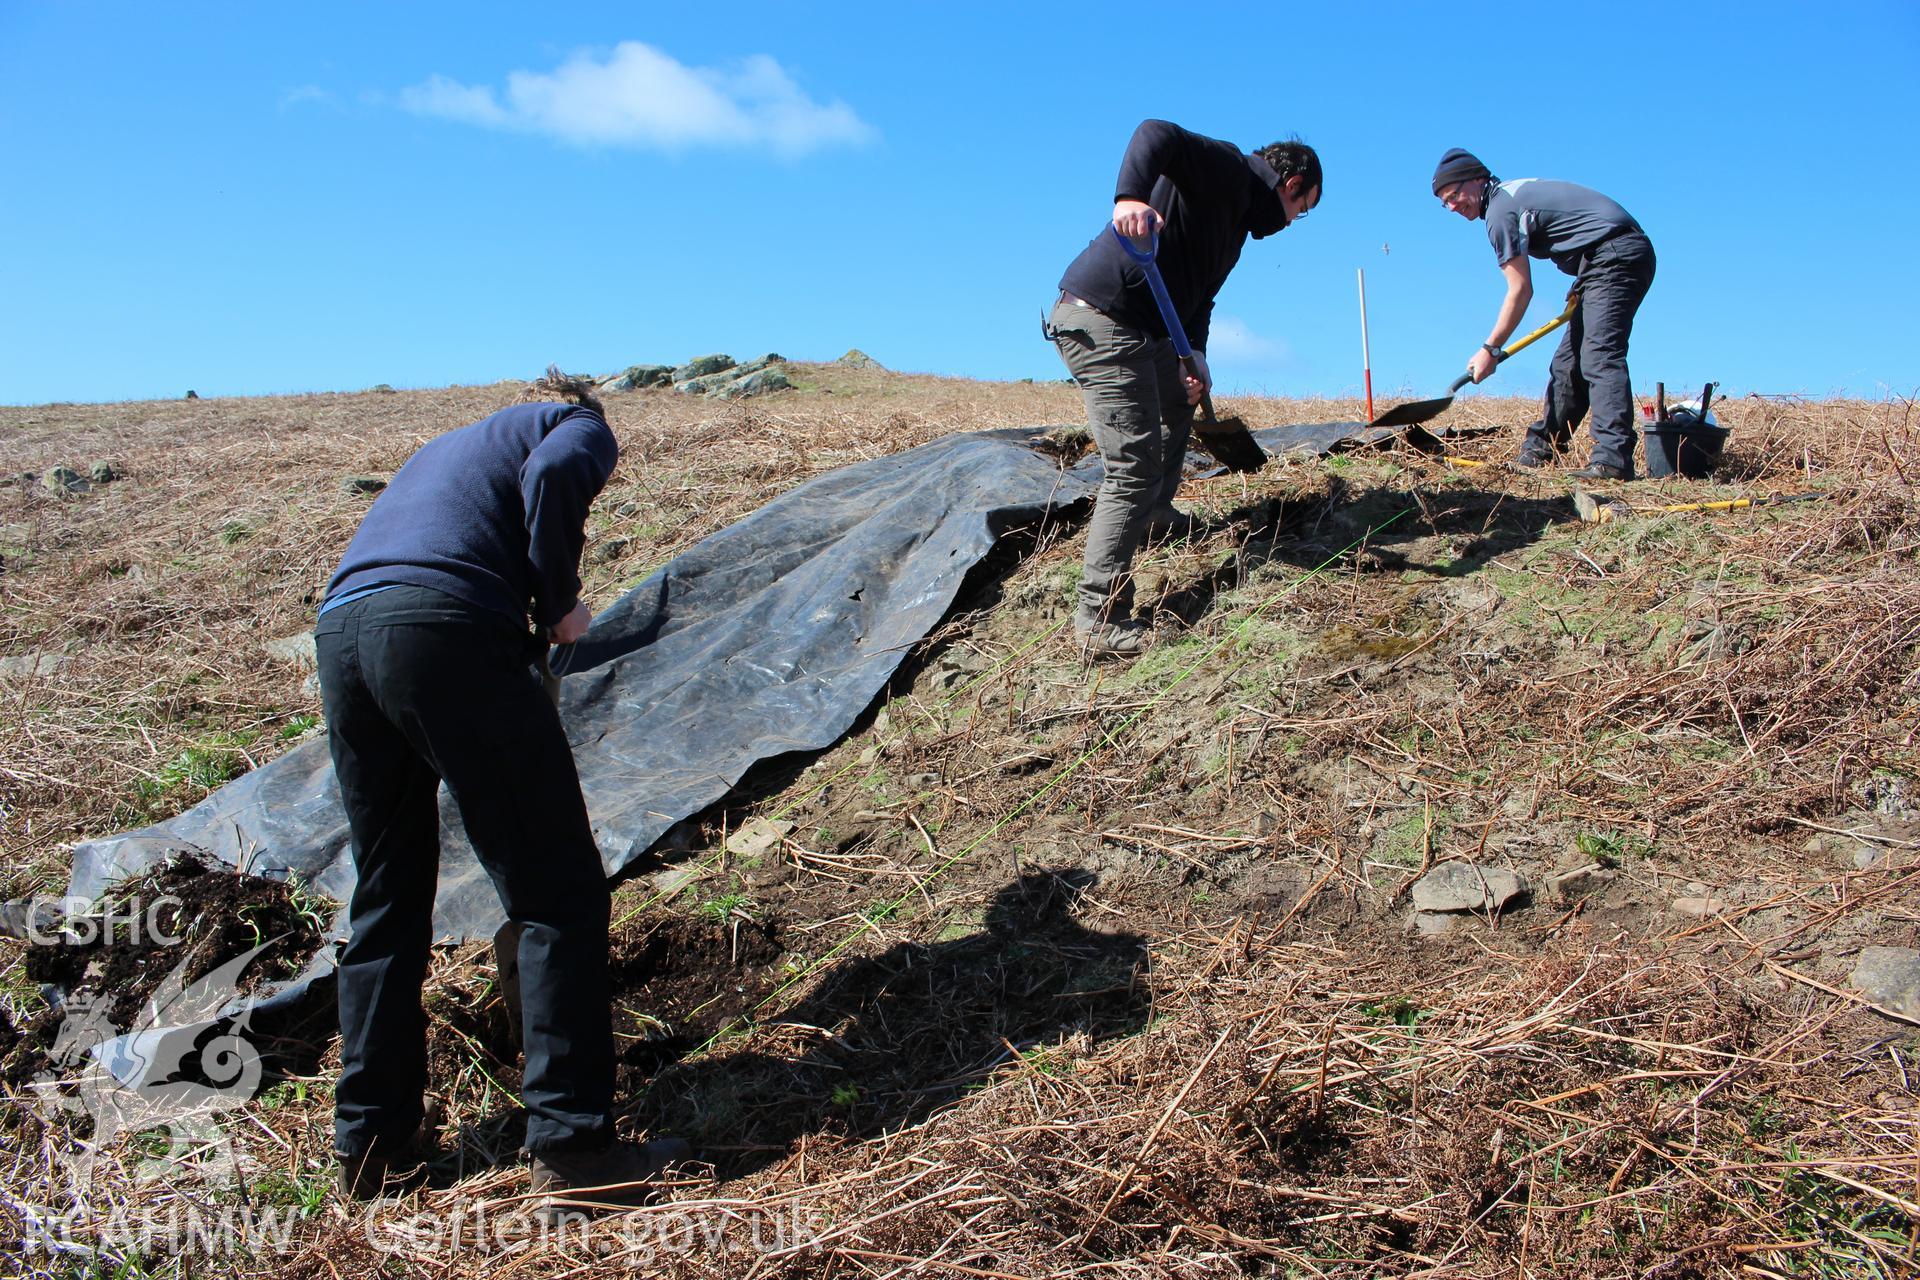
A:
(1225, 438)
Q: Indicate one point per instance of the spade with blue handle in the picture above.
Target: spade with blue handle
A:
(1225, 438)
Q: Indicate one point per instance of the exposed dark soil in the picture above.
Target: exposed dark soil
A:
(193, 916)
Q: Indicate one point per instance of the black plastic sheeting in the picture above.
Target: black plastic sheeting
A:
(769, 637)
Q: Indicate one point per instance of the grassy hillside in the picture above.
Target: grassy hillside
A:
(1051, 969)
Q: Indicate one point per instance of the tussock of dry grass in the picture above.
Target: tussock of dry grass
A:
(1372, 665)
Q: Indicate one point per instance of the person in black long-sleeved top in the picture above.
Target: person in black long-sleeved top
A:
(1590, 237)
(424, 651)
(1204, 197)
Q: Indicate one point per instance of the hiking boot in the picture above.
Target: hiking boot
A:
(1114, 640)
(389, 1171)
(621, 1176)
(1602, 471)
(394, 1168)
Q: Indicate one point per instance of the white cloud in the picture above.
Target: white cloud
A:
(440, 96)
(306, 93)
(637, 96)
(1231, 342)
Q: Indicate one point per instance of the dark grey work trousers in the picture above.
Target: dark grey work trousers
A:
(1138, 412)
(1589, 370)
(421, 689)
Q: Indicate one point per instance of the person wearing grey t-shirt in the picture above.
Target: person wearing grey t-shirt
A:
(1600, 244)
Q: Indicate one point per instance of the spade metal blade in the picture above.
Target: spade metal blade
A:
(1228, 441)
(1412, 413)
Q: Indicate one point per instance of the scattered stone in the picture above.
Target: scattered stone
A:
(1699, 908)
(357, 486)
(103, 472)
(611, 549)
(296, 649)
(858, 359)
(1868, 857)
(310, 687)
(64, 480)
(1600, 510)
(674, 879)
(1464, 886)
(1430, 924)
(32, 666)
(1581, 881)
(757, 835)
(754, 384)
(1890, 977)
(702, 366)
(1891, 796)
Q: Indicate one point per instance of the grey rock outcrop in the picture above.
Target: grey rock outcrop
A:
(701, 366)
(858, 359)
(635, 376)
(754, 384)
(64, 480)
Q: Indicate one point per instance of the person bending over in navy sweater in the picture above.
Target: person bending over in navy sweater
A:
(424, 648)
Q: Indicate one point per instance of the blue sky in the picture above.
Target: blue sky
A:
(265, 198)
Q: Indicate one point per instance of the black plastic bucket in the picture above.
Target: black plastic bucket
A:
(1684, 445)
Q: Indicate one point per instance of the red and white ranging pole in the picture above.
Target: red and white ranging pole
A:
(1366, 357)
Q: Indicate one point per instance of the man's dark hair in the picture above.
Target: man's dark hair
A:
(1294, 158)
(562, 388)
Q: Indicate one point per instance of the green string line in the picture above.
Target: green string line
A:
(1109, 737)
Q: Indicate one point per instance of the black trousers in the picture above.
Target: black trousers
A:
(1589, 370)
(421, 689)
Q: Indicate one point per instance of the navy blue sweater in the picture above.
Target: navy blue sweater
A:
(1212, 195)
(493, 513)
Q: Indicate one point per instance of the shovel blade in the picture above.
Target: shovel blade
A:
(1230, 444)
(1412, 413)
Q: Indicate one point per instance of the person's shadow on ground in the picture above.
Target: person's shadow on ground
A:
(887, 1040)
(1344, 530)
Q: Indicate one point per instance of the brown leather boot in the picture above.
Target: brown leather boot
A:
(389, 1171)
(622, 1176)
(394, 1168)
